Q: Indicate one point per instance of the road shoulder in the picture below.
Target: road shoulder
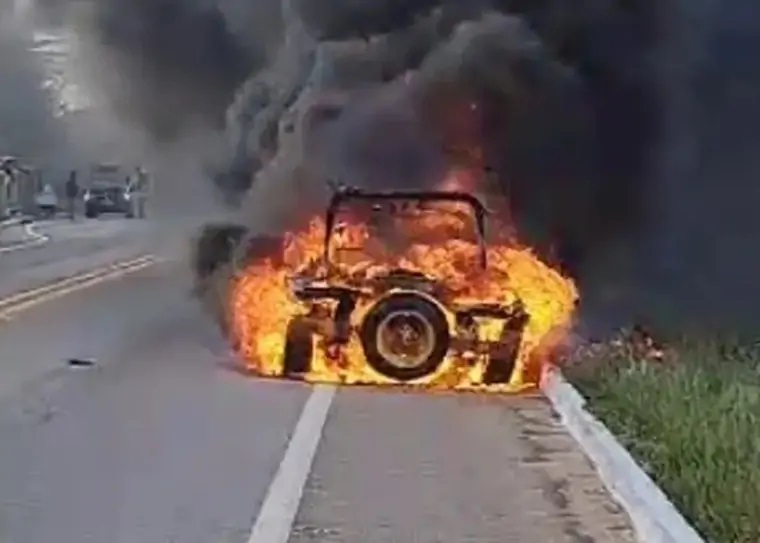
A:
(452, 468)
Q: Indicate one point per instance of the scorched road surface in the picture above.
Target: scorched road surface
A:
(159, 442)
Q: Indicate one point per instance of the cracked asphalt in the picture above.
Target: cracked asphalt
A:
(159, 441)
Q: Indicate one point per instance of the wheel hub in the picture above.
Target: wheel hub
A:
(405, 339)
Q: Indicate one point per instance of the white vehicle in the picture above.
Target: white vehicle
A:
(47, 201)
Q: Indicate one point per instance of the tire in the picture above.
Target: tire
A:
(417, 314)
(299, 349)
(91, 213)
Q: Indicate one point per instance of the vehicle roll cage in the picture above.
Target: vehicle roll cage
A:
(345, 194)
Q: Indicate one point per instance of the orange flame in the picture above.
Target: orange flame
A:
(261, 302)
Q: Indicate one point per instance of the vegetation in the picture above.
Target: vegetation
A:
(692, 420)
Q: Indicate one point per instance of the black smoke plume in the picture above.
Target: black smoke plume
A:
(566, 112)
(163, 64)
(622, 130)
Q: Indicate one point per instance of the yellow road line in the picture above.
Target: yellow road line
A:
(24, 300)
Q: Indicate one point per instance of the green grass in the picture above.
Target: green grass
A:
(693, 423)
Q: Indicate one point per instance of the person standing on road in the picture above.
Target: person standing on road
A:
(140, 188)
(72, 191)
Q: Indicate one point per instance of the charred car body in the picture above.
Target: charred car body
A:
(410, 323)
(407, 323)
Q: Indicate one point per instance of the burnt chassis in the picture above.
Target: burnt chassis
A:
(408, 307)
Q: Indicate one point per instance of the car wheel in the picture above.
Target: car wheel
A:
(91, 213)
(405, 337)
(299, 348)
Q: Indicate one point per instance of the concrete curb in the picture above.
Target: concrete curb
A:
(655, 519)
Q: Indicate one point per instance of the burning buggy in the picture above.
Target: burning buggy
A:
(407, 323)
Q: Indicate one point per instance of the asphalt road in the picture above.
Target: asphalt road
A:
(159, 441)
(67, 240)
(70, 248)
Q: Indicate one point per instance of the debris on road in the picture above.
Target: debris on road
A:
(81, 363)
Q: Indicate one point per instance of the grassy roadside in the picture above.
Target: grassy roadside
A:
(692, 422)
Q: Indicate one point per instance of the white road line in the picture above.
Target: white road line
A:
(37, 239)
(278, 512)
